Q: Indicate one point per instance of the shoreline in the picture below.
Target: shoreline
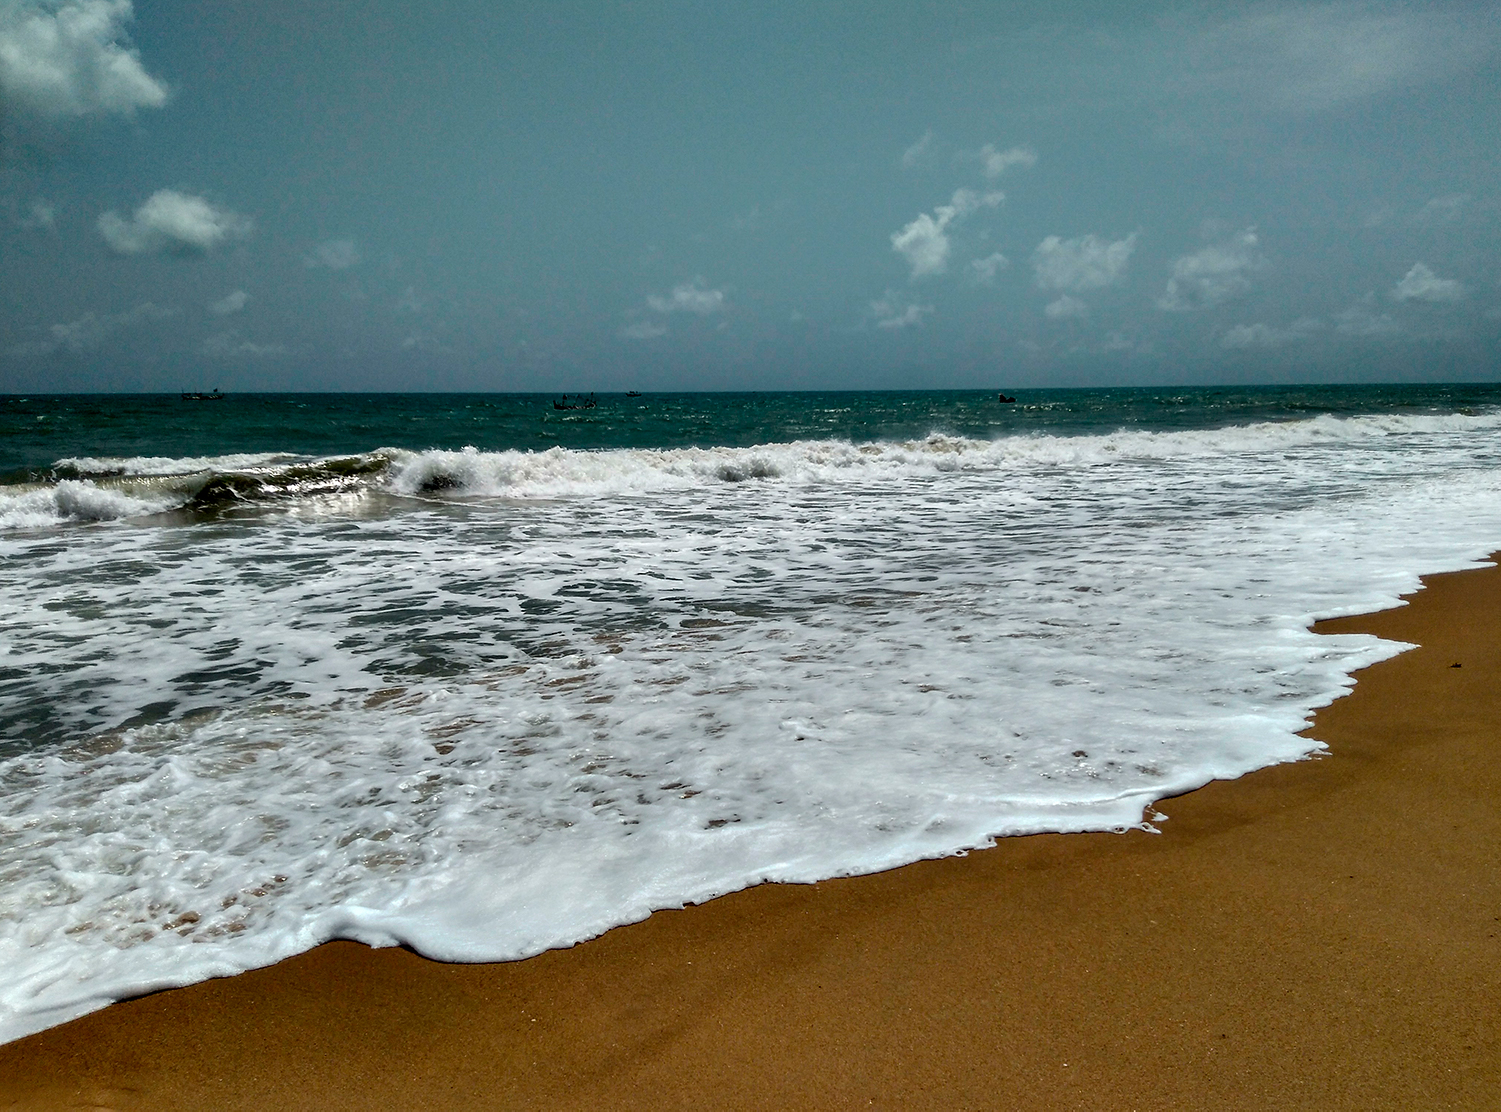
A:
(1325, 933)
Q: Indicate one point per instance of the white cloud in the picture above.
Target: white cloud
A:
(984, 270)
(1442, 210)
(1085, 263)
(39, 215)
(92, 329)
(1315, 56)
(334, 254)
(175, 223)
(688, 297)
(1213, 274)
(72, 59)
(229, 303)
(1269, 336)
(1421, 284)
(230, 345)
(995, 163)
(924, 243)
(894, 311)
(1363, 322)
(642, 330)
(914, 154)
(1066, 307)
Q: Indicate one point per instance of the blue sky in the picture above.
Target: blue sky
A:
(468, 195)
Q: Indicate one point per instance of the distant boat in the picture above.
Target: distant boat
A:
(633, 393)
(199, 396)
(581, 403)
(1004, 398)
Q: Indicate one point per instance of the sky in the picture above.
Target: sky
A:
(665, 194)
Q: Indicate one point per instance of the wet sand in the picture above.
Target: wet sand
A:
(1325, 934)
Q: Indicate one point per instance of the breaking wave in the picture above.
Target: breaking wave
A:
(89, 489)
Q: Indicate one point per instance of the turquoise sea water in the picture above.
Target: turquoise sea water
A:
(483, 676)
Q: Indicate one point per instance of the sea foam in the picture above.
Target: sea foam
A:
(518, 698)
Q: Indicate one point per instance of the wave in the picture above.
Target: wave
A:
(94, 489)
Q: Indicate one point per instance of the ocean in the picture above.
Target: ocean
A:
(483, 676)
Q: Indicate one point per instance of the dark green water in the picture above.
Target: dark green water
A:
(38, 430)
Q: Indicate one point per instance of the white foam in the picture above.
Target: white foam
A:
(169, 465)
(35, 506)
(488, 726)
(561, 472)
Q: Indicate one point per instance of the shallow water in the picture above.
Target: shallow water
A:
(485, 677)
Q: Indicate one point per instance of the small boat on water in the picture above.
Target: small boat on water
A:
(198, 396)
(581, 402)
(1004, 399)
(633, 393)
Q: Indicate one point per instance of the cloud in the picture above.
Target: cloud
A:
(892, 310)
(642, 330)
(1320, 56)
(1244, 336)
(924, 243)
(229, 303)
(39, 215)
(334, 254)
(92, 329)
(915, 153)
(688, 297)
(1085, 263)
(1361, 321)
(174, 223)
(425, 344)
(1442, 210)
(1421, 284)
(1066, 307)
(995, 163)
(72, 59)
(230, 345)
(1214, 274)
(984, 270)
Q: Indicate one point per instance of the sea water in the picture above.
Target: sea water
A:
(484, 676)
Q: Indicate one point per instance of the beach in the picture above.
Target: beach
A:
(1319, 934)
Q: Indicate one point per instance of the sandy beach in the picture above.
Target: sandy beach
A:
(1325, 934)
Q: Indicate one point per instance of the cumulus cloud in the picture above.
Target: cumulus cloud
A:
(995, 163)
(915, 153)
(642, 330)
(1085, 263)
(72, 59)
(333, 254)
(984, 270)
(924, 243)
(1269, 336)
(92, 329)
(894, 311)
(174, 223)
(1421, 284)
(231, 345)
(1213, 274)
(688, 297)
(1066, 307)
(229, 303)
